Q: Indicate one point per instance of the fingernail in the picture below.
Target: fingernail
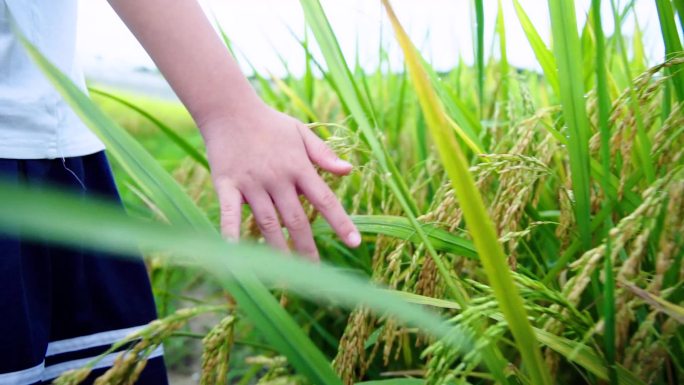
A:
(343, 163)
(354, 239)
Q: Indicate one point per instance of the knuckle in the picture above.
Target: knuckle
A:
(249, 176)
(228, 212)
(269, 224)
(297, 222)
(269, 177)
(244, 184)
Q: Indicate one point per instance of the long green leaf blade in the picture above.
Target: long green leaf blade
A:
(672, 43)
(63, 218)
(401, 228)
(541, 51)
(501, 32)
(568, 52)
(604, 129)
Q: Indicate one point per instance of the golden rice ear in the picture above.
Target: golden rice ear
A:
(218, 344)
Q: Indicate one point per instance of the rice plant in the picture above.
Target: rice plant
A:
(518, 227)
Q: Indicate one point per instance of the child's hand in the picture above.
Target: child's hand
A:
(265, 158)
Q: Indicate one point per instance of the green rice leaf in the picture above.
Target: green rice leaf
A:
(673, 45)
(308, 72)
(588, 43)
(680, 12)
(464, 122)
(295, 99)
(401, 228)
(505, 69)
(568, 52)
(604, 129)
(585, 357)
(541, 51)
(423, 300)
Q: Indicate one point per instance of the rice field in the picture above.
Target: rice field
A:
(518, 227)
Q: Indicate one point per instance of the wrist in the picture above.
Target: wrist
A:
(228, 113)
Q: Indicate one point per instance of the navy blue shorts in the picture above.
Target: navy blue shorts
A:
(63, 306)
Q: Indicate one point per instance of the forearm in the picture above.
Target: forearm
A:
(190, 55)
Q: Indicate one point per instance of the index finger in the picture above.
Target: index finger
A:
(325, 201)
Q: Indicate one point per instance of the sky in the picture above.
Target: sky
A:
(261, 30)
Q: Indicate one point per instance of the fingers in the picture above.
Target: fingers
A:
(266, 218)
(325, 201)
(230, 201)
(322, 155)
(296, 221)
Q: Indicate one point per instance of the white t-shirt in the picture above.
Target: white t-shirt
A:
(35, 122)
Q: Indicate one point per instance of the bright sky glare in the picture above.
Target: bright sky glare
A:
(260, 30)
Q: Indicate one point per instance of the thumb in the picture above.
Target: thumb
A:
(322, 155)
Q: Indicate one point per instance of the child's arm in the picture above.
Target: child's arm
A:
(256, 153)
